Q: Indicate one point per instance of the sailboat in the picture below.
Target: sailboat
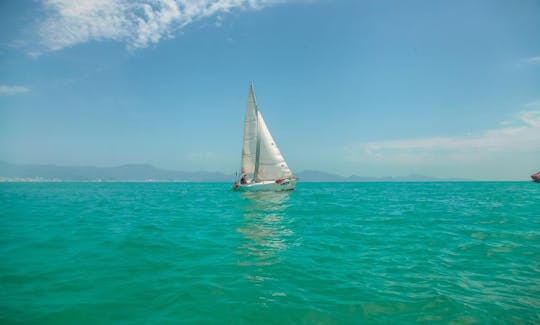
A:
(262, 167)
(536, 177)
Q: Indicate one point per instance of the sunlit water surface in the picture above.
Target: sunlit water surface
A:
(342, 253)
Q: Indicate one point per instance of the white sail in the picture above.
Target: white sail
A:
(250, 135)
(271, 164)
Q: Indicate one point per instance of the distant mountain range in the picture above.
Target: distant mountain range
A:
(131, 172)
(144, 172)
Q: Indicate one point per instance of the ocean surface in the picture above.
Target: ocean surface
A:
(326, 253)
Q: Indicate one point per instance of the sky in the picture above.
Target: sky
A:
(370, 88)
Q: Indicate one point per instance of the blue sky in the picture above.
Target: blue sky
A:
(372, 88)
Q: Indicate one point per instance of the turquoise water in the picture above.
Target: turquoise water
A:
(327, 253)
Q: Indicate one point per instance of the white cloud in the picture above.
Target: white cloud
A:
(201, 156)
(11, 90)
(528, 62)
(138, 23)
(533, 59)
(520, 140)
(533, 105)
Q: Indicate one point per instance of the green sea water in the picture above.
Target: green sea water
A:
(326, 253)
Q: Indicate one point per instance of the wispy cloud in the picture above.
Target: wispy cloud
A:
(533, 59)
(12, 90)
(530, 61)
(522, 137)
(137, 23)
(201, 156)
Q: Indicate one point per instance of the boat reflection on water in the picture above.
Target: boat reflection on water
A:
(265, 232)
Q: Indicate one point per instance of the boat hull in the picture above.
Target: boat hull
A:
(285, 185)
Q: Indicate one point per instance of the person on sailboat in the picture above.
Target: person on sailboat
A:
(244, 179)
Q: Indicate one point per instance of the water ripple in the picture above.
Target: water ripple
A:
(334, 253)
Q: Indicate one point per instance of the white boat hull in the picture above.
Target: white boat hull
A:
(285, 185)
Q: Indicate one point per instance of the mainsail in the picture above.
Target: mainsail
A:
(260, 154)
(250, 135)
